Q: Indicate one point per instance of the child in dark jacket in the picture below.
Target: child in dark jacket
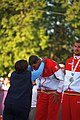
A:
(18, 99)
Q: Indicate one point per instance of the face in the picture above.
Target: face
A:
(36, 66)
(76, 49)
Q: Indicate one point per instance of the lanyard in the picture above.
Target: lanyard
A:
(73, 72)
(74, 68)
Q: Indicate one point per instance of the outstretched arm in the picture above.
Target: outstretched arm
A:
(35, 74)
(0, 84)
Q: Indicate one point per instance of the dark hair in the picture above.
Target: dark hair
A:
(21, 65)
(77, 41)
(33, 59)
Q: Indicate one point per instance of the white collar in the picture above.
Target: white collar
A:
(76, 57)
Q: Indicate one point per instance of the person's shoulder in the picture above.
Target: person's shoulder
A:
(13, 73)
(69, 59)
(47, 60)
(50, 61)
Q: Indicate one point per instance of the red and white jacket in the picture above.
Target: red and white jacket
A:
(52, 77)
(75, 84)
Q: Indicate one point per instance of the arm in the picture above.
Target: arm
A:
(37, 73)
(59, 75)
(38, 83)
(58, 94)
(0, 84)
(30, 68)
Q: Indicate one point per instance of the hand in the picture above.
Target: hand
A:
(56, 98)
(43, 60)
(38, 95)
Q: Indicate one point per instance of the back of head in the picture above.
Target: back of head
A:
(21, 66)
(33, 59)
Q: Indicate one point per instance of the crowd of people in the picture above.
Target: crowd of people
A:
(40, 90)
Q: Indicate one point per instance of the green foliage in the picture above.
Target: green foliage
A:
(57, 30)
(46, 28)
(73, 17)
(60, 28)
(20, 33)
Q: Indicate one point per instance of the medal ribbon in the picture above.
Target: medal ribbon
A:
(74, 68)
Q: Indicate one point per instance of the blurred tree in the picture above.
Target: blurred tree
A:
(73, 17)
(43, 27)
(60, 27)
(21, 32)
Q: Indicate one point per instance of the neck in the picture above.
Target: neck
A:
(77, 56)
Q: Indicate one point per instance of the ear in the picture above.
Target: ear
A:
(39, 61)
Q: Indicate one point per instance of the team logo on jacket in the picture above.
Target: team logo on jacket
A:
(70, 63)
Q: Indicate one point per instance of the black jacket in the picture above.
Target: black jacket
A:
(20, 90)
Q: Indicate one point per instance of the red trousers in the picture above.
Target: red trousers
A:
(46, 109)
(71, 106)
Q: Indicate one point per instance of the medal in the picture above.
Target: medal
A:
(74, 67)
(71, 79)
(73, 70)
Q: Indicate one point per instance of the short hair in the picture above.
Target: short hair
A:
(33, 59)
(77, 41)
(21, 65)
